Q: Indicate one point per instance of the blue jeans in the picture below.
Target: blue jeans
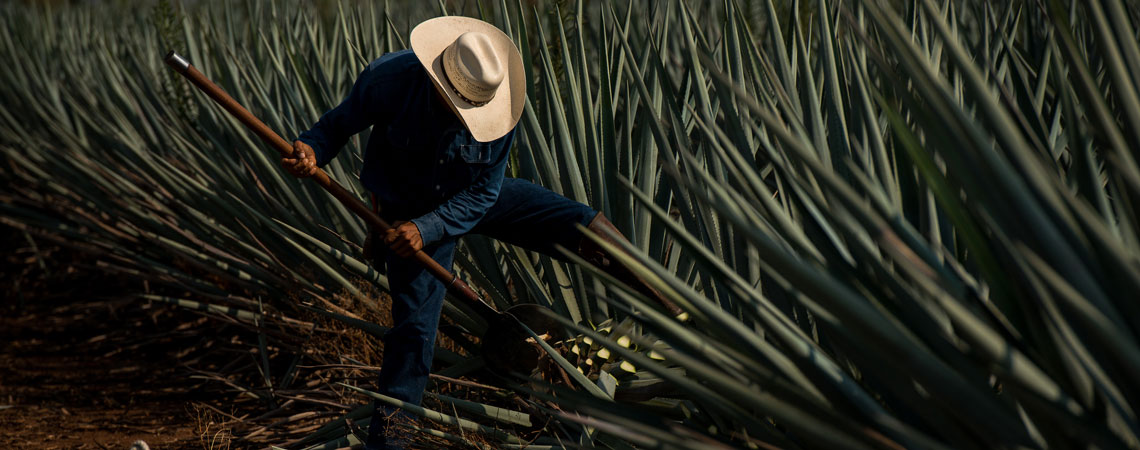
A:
(525, 215)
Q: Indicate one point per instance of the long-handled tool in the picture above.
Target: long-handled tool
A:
(505, 345)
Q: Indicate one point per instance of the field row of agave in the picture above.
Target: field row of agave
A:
(889, 225)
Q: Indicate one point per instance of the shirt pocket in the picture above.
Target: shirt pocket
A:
(475, 153)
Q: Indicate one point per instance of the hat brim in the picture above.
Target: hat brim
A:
(500, 115)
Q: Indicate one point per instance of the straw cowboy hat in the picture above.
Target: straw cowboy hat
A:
(477, 69)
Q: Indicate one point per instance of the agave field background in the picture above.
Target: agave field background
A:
(890, 224)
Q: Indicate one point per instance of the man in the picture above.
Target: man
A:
(443, 117)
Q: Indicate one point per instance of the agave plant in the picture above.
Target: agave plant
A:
(889, 225)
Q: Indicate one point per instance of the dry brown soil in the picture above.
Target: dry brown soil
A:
(64, 384)
(83, 365)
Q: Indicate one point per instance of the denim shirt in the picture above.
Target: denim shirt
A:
(420, 162)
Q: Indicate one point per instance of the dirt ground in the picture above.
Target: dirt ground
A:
(85, 363)
(65, 384)
(84, 366)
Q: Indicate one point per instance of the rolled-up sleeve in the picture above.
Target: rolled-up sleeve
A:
(463, 211)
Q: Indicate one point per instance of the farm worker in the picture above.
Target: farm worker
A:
(443, 117)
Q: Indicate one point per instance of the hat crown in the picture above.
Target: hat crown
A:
(477, 69)
(473, 68)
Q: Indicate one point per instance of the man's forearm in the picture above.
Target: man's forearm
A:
(462, 212)
(458, 215)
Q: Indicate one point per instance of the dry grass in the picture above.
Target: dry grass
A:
(214, 431)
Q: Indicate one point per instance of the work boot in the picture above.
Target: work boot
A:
(593, 253)
(389, 429)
